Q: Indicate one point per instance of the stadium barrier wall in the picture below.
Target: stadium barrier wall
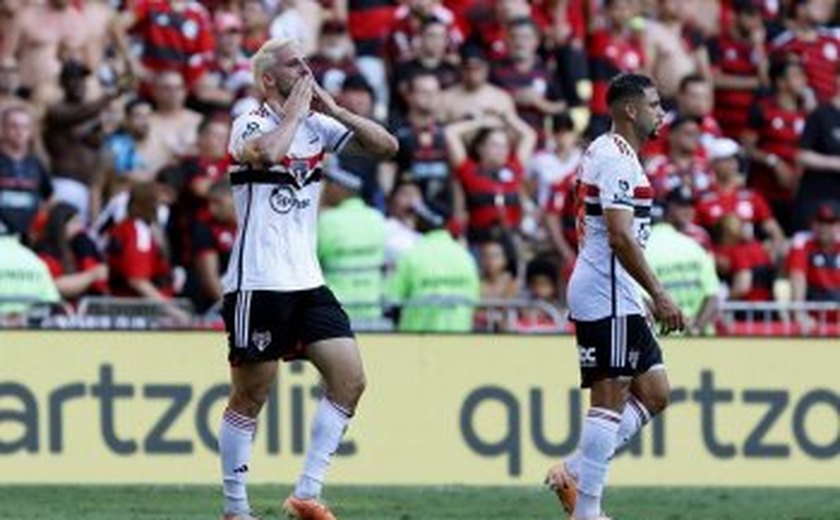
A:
(109, 407)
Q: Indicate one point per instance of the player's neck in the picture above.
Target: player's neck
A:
(627, 133)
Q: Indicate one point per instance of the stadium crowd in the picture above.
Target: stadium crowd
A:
(114, 121)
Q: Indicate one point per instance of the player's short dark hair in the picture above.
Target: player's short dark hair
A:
(689, 80)
(779, 67)
(628, 86)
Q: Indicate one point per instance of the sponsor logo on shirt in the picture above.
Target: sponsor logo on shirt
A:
(284, 199)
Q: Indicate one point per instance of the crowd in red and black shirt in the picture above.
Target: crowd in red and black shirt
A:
(492, 103)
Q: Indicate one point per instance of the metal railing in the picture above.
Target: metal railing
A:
(814, 319)
(780, 318)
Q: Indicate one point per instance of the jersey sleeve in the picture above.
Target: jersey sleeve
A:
(245, 129)
(617, 179)
(333, 132)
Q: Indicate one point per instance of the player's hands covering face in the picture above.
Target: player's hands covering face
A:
(324, 102)
(300, 98)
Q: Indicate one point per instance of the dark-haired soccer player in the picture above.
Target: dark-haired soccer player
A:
(619, 356)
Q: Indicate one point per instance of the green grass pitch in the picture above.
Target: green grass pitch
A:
(416, 503)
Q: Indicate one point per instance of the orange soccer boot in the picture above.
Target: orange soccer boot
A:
(306, 509)
(564, 486)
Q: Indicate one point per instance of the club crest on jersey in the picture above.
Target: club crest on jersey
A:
(299, 170)
(284, 199)
(261, 340)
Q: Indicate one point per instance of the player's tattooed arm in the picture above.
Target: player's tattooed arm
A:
(369, 137)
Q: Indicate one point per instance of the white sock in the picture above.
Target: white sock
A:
(328, 427)
(597, 445)
(236, 437)
(634, 418)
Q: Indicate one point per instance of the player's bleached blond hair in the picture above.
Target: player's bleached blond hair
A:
(266, 57)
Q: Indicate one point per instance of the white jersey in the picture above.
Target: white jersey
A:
(610, 177)
(277, 204)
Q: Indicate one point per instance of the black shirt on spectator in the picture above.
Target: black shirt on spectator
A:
(23, 186)
(422, 160)
(821, 135)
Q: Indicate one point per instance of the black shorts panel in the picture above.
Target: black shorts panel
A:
(270, 325)
(610, 348)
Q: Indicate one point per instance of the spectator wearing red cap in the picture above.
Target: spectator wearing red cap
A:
(730, 196)
(739, 62)
(410, 20)
(817, 47)
(772, 140)
(814, 262)
(819, 154)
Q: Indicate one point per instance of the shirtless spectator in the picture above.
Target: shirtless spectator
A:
(73, 138)
(24, 182)
(674, 48)
(10, 91)
(525, 76)
(173, 129)
(334, 59)
(474, 96)
(816, 47)
(176, 36)
(739, 62)
(684, 164)
(228, 75)
(42, 32)
(422, 157)
(430, 57)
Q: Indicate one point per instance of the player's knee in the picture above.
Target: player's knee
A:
(658, 402)
(348, 392)
(249, 402)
